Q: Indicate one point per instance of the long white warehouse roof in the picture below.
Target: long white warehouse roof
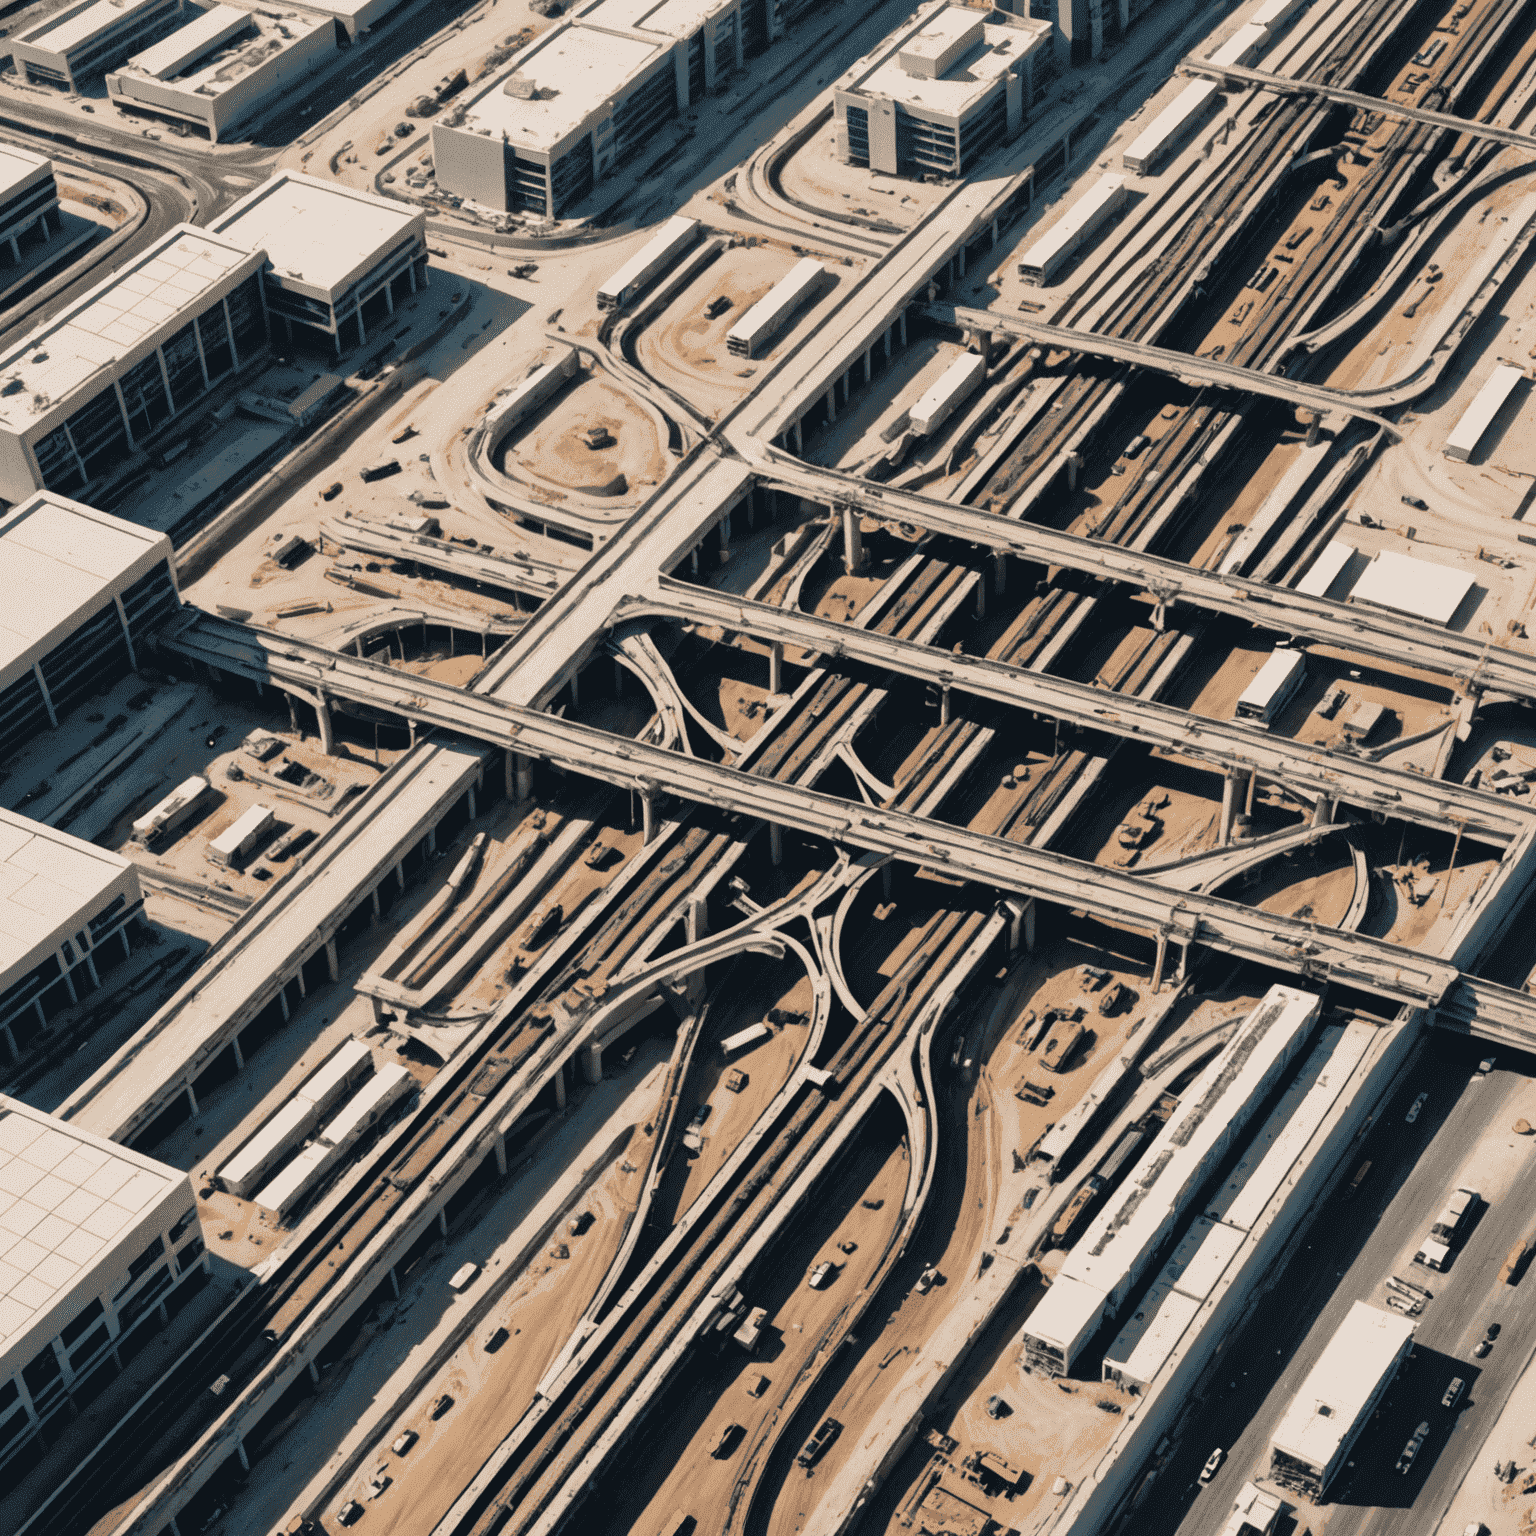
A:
(1415, 587)
(1084, 213)
(1169, 123)
(1338, 1387)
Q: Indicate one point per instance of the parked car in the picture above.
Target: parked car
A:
(403, 1442)
(1416, 502)
(1212, 1464)
(820, 1277)
(442, 1405)
(1417, 1105)
(1453, 1392)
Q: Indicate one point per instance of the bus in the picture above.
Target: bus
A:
(1276, 683)
(171, 813)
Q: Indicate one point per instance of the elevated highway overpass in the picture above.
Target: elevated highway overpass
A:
(1386, 970)
(1184, 366)
(1226, 746)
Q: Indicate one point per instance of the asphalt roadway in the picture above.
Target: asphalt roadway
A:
(1462, 1136)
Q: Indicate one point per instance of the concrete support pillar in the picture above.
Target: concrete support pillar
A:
(981, 597)
(442, 1220)
(432, 841)
(1029, 926)
(509, 773)
(69, 986)
(1074, 463)
(775, 843)
(853, 542)
(10, 1042)
(591, 1058)
(122, 933)
(696, 919)
(887, 343)
(999, 573)
(332, 964)
(887, 879)
(1253, 781)
(1159, 962)
(282, 1002)
(1179, 975)
(1228, 807)
(327, 735)
(648, 812)
(832, 403)
(474, 809)
(378, 908)
(776, 666)
(394, 1281)
(575, 690)
(799, 439)
(42, 688)
(245, 1461)
(314, 1374)
(1322, 811)
(559, 1087)
(618, 682)
(501, 1163)
(298, 976)
(234, 1045)
(944, 704)
(293, 718)
(192, 1101)
(524, 777)
(868, 365)
(15, 249)
(901, 323)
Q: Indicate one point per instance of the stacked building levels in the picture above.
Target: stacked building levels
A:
(1314, 1439)
(96, 586)
(97, 1245)
(1106, 1263)
(337, 259)
(588, 93)
(224, 65)
(83, 40)
(111, 372)
(62, 901)
(29, 197)
(945, 89)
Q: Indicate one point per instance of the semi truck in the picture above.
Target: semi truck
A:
(1449, 1226)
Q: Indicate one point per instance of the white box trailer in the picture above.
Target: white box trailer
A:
(237, 840)
(744, 1040)
(769, 315)
(1046, 257)
(165, 816)
(1243, 47)
(952, 389)
(298, 1180)
(1478, 417)
(272, 1145)
(345, 1068)
(1280, 676)
(1171, 127)
(367, 1107)
(653, 258)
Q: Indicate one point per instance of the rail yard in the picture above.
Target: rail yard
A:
(768, 768)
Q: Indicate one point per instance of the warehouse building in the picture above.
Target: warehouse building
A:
(86, 39)
(584, 96)
(61, 901)
(938, 94)
(224, 66)
(96, 587)
(337, 259)
(97, 1246)
(1480, 415)
(29, 199)
(1314, 1439)
(1106, 1263)
(87, 387)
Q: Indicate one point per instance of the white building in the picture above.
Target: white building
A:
(1336, 1400)
(225, 65)
(587, 94)
(939, 93)
(85, 388)
(1419, 588)
(88, 37)
(1121, 1242)
(1479, 416)
(337, 259)
(96, 587)
(61, 900)
(96, 1242)
(29, 198)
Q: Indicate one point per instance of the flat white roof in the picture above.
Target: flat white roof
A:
(66, 1199)
(1195, 97)
(1415, 587)
(50, 884)
(1478, 416)
(186, 44)
(576, 69)
(321, 233)
(1152, 1333)
(672, 18)
(1208, 1116)
(139, 300)
(82, 26)
(1339, 1386)
(1067, 1314)
(1326, 569)
(968, 78)
(62, 562)
(1105, 193)
(18, 167)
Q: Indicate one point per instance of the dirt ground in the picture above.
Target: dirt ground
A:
(552, 447)
(814, 175)
(685, 349)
